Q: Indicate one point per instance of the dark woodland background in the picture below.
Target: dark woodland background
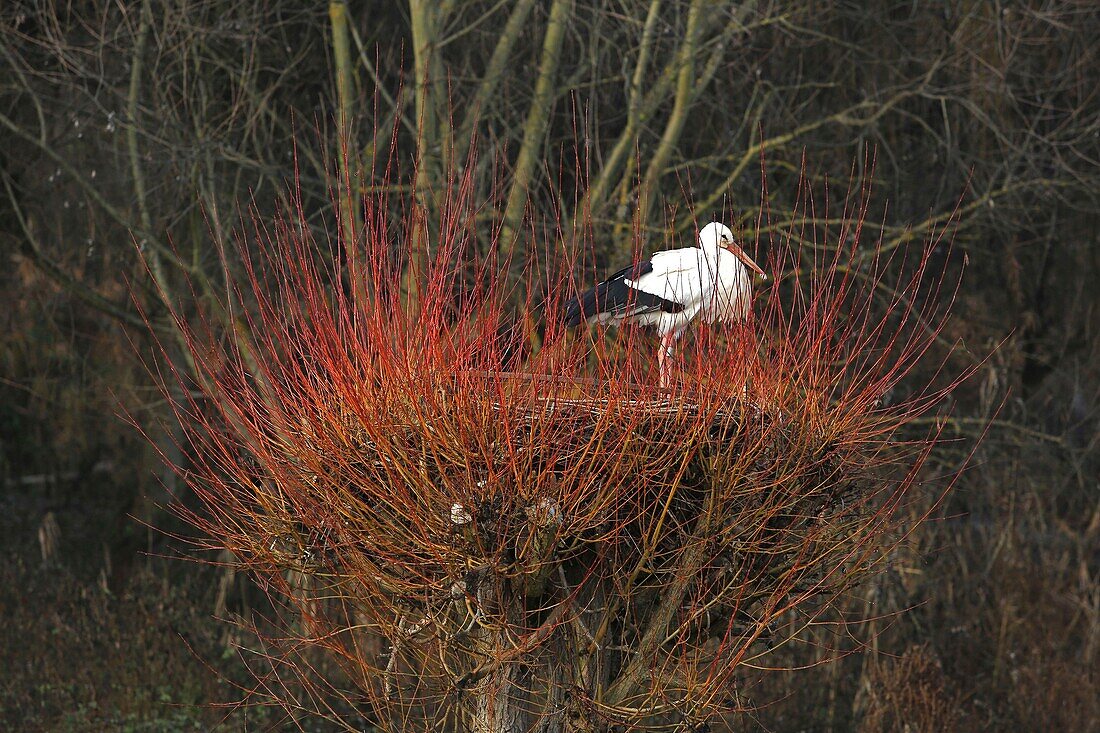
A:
(130, 123)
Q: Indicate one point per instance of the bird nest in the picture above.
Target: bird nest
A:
(493, 459)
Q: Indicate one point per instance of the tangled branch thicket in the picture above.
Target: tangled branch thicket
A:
(502, 538)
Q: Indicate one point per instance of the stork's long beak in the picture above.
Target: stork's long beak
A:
(740, 253)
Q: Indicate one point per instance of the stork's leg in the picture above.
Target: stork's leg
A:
(664, 357)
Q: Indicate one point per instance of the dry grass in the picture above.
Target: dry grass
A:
(83, 658)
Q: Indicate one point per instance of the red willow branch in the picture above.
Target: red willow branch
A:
(539, 534)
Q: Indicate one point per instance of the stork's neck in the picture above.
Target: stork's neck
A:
(710, 249)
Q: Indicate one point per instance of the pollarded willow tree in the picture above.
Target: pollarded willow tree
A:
(496, 539)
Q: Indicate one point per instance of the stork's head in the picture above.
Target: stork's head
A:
(715, 235)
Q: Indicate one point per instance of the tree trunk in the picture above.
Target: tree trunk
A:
(498, 707)
(497, 710)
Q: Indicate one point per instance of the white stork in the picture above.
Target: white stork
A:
(673, 288)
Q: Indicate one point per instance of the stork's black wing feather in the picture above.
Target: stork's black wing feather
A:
(614, 296)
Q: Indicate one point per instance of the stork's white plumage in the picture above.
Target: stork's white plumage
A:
(673, 288)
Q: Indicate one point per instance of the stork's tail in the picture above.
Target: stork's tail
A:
(583, 307)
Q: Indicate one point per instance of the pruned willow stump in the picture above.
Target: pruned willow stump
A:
(542, 555)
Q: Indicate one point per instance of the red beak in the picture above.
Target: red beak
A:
(740, 253)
